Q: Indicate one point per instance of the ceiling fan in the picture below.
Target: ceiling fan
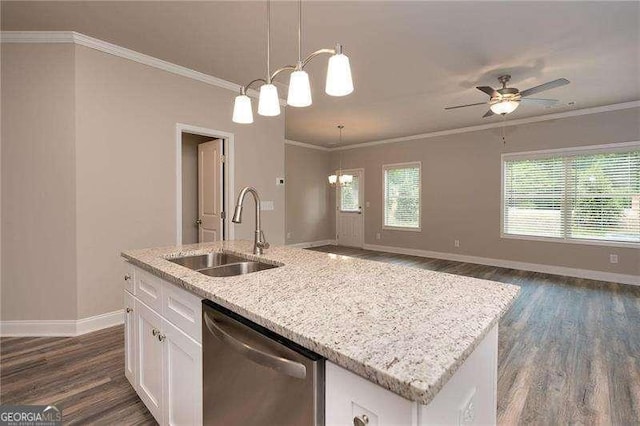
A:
(507, 99)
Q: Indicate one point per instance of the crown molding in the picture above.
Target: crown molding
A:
(307, 145)
(546, 117)
(122, 52)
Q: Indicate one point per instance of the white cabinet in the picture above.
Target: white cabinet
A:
(150, 365)
(130, 352)
(182, 387)
(468, 398)
(163, 356)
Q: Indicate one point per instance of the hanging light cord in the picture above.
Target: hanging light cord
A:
(268, 41)
(299, 31)
(504, 120)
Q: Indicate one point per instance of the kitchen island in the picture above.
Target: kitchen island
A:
(398, 338)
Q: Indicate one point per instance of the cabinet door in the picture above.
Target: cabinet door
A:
(130, 351)
(150, 362)
(182, 389)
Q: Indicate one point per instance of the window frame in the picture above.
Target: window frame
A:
(561, 152)
(394, 166)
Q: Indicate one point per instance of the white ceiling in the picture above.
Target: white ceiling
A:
(409, 59)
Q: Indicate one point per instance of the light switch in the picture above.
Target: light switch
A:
(266, 205)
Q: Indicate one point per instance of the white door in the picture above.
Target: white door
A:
(210, 191)
(149, 327)
(349, 217)
(129, 339)
(182, 379)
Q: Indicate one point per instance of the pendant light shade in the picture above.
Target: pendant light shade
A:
(504, 107)
(333, 179)
(269, 103)
(299, 89)
(339, 81)
(345, 179)
(242, 112)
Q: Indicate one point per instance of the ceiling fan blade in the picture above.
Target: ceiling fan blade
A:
(536, 101)
(546, 86)
(488, 114)
(468, 105)
(488, 90)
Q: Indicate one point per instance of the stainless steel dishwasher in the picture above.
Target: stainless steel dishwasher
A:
(252, 376)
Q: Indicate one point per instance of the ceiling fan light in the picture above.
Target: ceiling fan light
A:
(299, 89)
(504, 107)
(242, 112)
(339, 81)
(269, 103)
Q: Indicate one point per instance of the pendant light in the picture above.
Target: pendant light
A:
(340, 178)
(339, 81)
(299, 87)
(269, 102)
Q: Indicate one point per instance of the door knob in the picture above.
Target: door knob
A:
(129, 310)
(127, 277)
(198, 222)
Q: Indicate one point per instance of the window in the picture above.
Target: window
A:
(402, 196)
(349, 195)
(582, 195)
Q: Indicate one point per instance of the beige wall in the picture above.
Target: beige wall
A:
(79, 196)
(38, 182)
(309, 198)
(461, 178)
(190, 144)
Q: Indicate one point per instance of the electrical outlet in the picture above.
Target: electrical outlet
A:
(280, 181)
(288, 235)
(368, 204)
(266, 205)
(377, 236)
(456, 243)
(613, 258)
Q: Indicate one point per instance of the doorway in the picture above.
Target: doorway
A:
(203, 171)
(349, 213)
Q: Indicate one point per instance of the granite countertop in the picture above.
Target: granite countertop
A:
(404, 328)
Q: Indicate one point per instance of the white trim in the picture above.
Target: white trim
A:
(228, 139)
(546, 117)
(122, 52)
(61, 327)
(307, 145)
(572, 151)
(313, 244)
(512, 264)
(396, 166)
(570, 240)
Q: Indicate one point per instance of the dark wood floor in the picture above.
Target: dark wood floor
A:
(84, 376)
(569, 354)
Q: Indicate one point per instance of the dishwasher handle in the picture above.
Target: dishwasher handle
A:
(283, 365)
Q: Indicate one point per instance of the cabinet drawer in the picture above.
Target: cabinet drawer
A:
(349, 396)
(183, 309)
(148, 288)
(129, 277)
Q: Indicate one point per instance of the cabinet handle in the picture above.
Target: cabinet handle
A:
(161, 337)
(362, 420)
(127, 277)
(155, 332)
(129, 310)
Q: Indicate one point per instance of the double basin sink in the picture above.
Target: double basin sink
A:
(221, 264)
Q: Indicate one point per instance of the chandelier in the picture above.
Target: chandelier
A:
(338, 83)
(340, 178)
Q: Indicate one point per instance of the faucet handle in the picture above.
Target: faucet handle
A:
(262, 243)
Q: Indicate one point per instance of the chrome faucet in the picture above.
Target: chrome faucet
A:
(259, 242)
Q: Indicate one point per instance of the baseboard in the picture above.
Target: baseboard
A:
(313, 244)
(525, 266)
(23, 328)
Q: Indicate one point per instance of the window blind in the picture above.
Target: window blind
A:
(402, 196)
(593, 196)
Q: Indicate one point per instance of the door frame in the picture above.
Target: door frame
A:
(229, 173)
(362, 206)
